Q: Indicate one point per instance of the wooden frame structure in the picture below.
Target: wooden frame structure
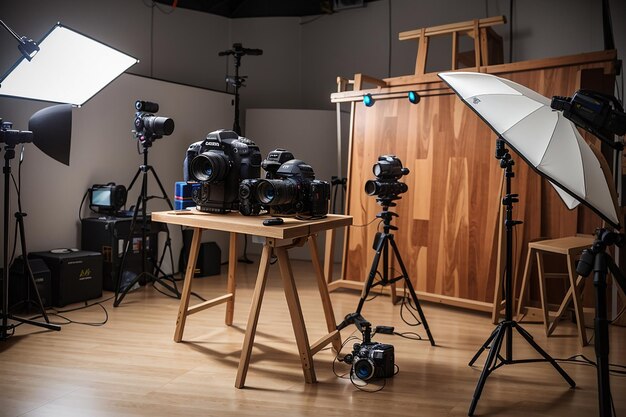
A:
(449, 219)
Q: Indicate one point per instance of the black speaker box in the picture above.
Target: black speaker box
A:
(107, 235)
(76, 275)
(209, 260)
(21, 292)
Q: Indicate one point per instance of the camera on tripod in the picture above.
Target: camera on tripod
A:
(219, 163)
(290, 188)
(149, 127)
(388, 170)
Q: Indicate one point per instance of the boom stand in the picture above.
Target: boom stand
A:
(504, 330)
(142, 201)
(381, 245)
(9, 153)
(601, 262)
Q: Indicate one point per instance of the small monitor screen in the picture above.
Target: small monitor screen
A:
(101, 197)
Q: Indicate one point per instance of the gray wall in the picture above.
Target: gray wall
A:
(301, 59)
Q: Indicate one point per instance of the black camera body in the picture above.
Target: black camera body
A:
(249, 205)
(219, 163)
(292, 190)
(388, 170)
(372, 360)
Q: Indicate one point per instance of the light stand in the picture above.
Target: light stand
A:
(503, 332)
(11, 138)
(141, 205)
(237, 82)
(381, 246)
(597, 259)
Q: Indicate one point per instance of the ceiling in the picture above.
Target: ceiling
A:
(265, 8)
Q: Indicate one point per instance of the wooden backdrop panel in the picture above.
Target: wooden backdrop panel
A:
(449, 218)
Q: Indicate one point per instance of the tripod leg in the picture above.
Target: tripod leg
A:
(543, 353)
(407, 282)
(29, 271)
(484, 346)
(163, 193)
(497, 336)
(131, 229)
(372, 274)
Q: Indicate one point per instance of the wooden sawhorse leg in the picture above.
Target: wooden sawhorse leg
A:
(253, 317)
(305, 350)
(229, 298)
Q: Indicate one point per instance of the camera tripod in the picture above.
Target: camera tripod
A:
(5, 327)
(596, 259)
(504, 330)
(381, 245)
(141, 205)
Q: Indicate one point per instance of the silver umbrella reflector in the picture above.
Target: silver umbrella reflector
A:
(544, 138)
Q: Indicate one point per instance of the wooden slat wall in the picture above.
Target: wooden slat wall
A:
(448, 224)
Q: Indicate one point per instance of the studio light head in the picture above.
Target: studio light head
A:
(595, 112)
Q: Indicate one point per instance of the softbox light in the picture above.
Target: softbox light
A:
(52, 130)
(69, 68)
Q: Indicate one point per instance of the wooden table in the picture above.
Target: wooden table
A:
(278, 239)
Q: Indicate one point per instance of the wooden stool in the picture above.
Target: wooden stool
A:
(571, 247)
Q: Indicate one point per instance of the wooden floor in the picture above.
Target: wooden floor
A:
(131, 366)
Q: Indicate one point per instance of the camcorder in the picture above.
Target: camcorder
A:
(219, 163)
(388, 170)
(371, 360)
(149, 127)
(290, 188)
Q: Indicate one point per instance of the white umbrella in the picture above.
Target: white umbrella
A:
(544, 138)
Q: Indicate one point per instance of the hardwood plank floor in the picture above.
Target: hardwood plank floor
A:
(132, 367)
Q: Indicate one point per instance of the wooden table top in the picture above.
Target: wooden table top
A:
(563, 245)
(251, 225)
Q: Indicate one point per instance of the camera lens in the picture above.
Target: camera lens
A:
(363, 369)
(275, 192)
(210, 167)
(380, 188)
(158, 125)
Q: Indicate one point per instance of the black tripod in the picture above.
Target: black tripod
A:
(6, 329)
(504, 330)
(597, 259)
(381, 245)
(141, 205)
(237, 82)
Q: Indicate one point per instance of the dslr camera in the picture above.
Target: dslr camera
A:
(248, 203)
(388, 170)
(372, 360)
(219, 163)
(290, 188)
